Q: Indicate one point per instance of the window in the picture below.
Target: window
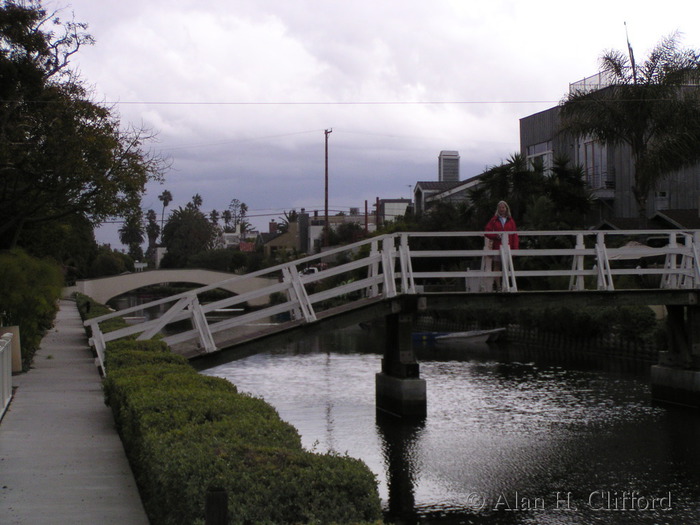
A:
(595, 164)
(661, 200)
(541, 155)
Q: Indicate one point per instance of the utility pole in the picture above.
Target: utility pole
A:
(326, 237)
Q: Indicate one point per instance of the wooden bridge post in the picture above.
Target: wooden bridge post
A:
(676, 379)
(399, 388)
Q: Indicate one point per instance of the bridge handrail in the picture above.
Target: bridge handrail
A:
(383, 266)
(5, 372)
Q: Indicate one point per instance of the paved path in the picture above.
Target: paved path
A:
(61, 459)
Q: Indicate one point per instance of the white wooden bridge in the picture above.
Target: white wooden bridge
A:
(415, 264)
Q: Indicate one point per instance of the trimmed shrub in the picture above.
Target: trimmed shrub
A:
(186, 433)
(126, 358)
(264, 484)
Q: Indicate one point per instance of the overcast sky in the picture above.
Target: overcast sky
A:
(241, 91)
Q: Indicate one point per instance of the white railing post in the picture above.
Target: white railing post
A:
(97, 341)
(164, 319)
(291, 275)
(199, 320)
(694, 241)
(507, 270)
(576, 281)
(690, 278)
(670, 278)
(373, 268)
(388, 251)
(408, 285)
(5, 372)
(605, 281)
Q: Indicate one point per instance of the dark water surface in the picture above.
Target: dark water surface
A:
(509, 438)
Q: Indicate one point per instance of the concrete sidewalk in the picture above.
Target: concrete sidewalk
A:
(61, 459)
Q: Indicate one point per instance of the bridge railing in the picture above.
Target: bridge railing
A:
(5, 372)
(545, 260)
(420, 262)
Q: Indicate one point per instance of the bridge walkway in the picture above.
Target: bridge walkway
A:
(61, 459)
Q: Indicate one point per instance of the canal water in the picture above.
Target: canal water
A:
(510, 438)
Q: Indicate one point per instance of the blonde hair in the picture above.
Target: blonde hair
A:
(506, 205)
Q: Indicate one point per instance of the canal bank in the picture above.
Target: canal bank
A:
(61, 458)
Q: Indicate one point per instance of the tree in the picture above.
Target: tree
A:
(69, 241)
(226, 216)
(510, 181)
(110, 262)
(60, 153)
(152, 233)
(289, 217)
(187, 233)
(131, 234)
(166, 198)
(652, 108)
(238, 212)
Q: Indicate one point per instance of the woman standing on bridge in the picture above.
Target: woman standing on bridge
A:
(500, 222)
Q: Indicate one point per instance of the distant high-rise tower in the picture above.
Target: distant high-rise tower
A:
(448, 166)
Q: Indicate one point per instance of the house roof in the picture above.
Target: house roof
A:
(661, 220)
(433, 185)
(267, 237)
(619, 223)
(683, 219)
(456, 188)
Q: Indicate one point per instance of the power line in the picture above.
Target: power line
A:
(330, 103)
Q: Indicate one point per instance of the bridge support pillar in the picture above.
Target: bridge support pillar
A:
(399, 388)
(676, 379)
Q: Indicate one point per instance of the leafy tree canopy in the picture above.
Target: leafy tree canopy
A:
(61, 154)
(187, 233)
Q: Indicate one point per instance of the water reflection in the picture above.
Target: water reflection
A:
(399, 439)
(509, 437)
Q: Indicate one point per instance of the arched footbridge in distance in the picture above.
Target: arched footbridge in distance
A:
(105, 288)
(396, 276)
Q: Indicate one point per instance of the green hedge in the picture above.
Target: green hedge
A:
(89, 309)
(185, 433)
(29, 293)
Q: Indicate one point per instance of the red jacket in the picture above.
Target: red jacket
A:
(494, 225)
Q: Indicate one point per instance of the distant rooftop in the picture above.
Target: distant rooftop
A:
(592, 83)
(604, 79)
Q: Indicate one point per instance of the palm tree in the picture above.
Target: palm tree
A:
(289, 217)
(652, 108)
(226, 216)
(166, 198)
(197, 200)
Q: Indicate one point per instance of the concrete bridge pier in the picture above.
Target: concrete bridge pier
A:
(399, 388)
(676, 379)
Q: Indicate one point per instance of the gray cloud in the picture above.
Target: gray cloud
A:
(241, 91)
